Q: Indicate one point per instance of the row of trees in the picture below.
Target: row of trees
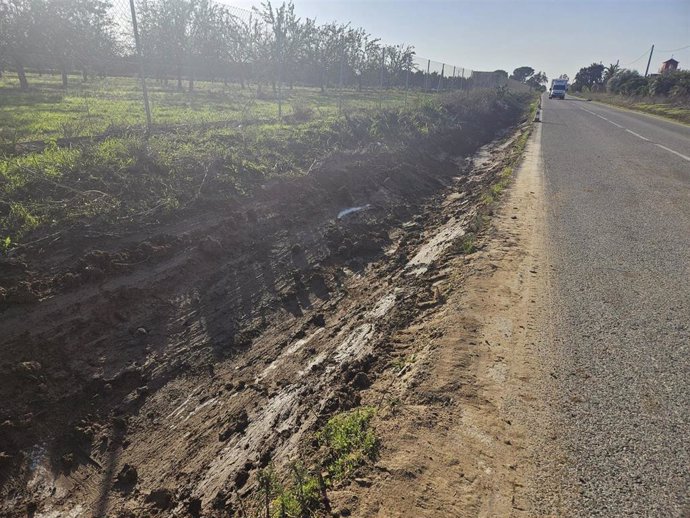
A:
(617, 80)
(56, 34)
(193, 39)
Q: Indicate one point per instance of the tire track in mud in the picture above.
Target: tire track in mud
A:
(224, 361)
(462, 422)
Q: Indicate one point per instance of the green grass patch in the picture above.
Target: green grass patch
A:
(88, 108)
(466, 244)
(348, 441)
(301, 496)
(661, 107)
(132, 178)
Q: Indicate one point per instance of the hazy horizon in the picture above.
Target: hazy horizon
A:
(547, 35)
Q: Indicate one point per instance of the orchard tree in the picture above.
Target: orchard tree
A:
(399, 59)
(364, 57)
(22, 24)
(166, 27)
(79, 33)
(288, 39)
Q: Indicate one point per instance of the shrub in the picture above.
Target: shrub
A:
(628, 82)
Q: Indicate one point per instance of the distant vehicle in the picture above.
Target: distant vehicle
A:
(558, 88)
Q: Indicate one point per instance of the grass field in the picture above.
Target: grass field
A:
(655, 106)
(128, 176)
(90, 108)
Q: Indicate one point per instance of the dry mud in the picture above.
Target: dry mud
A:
(157, 375)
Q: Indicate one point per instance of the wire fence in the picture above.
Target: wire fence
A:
(264, 60)
(188, 61)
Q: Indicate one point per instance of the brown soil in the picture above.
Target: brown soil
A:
(459, 421)
(159, 374)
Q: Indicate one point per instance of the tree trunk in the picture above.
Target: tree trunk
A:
(84, 74)
(179, 78)
(21, 74)
(191, 84)
(63, 72)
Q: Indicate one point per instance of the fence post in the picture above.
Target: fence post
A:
(340, 81)
(440, 79)
(383, 64)
(453, 81)
(407, 83)
(280, 78)
(140, 54)
(426, 77)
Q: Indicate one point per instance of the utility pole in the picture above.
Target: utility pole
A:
(650, 60)
(141, 64)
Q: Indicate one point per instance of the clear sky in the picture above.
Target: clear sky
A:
(549, 35)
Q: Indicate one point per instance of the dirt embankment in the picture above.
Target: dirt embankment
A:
(161, 373)
(462, 414)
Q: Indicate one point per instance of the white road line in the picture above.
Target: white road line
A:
(601, 117)
(640, 136)
(637, 135)
(674, 152)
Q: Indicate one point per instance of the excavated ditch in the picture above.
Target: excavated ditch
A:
(158, 375)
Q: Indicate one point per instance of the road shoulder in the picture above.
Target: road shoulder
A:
(464, 424)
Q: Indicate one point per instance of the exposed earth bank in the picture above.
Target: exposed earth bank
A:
(161, 373)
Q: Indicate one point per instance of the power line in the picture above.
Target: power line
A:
(636, 60)
(674, 50)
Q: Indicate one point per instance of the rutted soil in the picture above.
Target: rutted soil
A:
(159, 374)
(463, 417)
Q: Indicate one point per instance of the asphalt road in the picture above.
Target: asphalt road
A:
(617, 187)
